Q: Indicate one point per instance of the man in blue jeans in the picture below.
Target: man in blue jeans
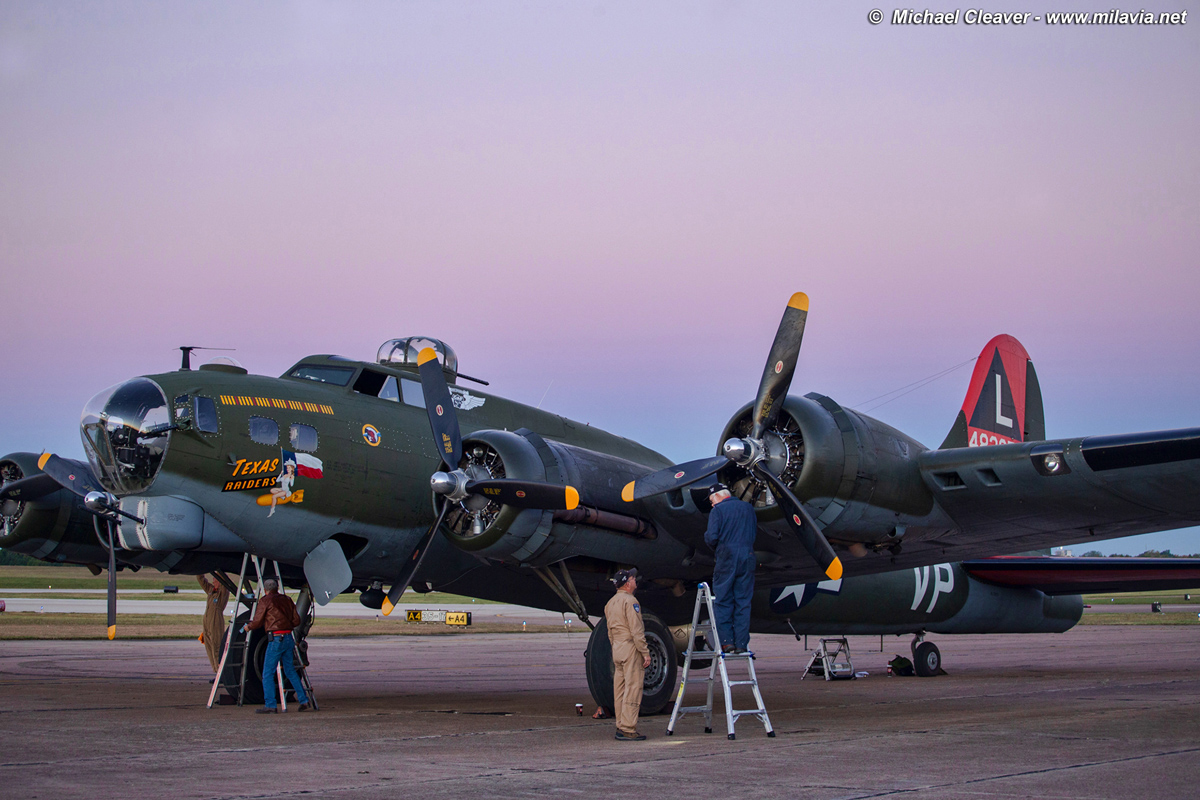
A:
(276, 613)
(732, 528)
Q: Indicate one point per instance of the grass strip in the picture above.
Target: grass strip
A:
(35, 625)
(1144, 618)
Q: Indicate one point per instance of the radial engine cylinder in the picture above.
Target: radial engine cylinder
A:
(602, 529)
(857, 476)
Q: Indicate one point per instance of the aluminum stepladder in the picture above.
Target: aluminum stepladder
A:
(710, 648)
(236, 654)
(828, 661)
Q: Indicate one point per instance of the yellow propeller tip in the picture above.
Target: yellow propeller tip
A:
(428, 354)
(572, 497)
(834, 570)
(627, 492)
(112, 632)
(799, 300)
(42, 461)
(387, 607)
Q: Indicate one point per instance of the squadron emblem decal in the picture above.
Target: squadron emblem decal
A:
(464, 400)
(371, 435)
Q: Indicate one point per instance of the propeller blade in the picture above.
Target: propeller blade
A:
(526, 494)
(112, 583)
(781, 364)
(802, 524)
(675, 477)
(74, 478)
(27, 489)
(440, 406)
(414, 562)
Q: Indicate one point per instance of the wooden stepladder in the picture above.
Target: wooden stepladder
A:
(710, 648)
(236, 655)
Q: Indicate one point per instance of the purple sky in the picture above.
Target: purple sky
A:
(618, 197)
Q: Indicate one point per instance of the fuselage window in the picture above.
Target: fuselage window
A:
(338, 376)
(412, 393)
(390, 390)
(304, 438)
(206, 415)
(264, 430)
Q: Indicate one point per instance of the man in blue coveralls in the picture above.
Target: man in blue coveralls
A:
(732, 527)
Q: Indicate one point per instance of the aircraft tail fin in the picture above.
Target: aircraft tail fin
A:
(1004, 399)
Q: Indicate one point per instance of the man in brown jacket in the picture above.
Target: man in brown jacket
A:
(276, 614)
(631, 656)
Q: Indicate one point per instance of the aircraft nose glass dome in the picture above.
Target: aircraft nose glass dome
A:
(125, 433)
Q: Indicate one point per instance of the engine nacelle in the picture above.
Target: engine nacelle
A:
(54, 527)
(58, 528)
(858, 476)
(535, 537)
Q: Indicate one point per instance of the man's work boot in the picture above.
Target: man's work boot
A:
(265, 710)
(307, 707)
(622, 736)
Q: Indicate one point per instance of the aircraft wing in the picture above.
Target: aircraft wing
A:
(1057, 575)
(1016, 498)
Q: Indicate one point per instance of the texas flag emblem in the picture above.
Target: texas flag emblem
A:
(306, 464)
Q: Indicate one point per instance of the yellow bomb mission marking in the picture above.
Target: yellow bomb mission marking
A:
(271, 402)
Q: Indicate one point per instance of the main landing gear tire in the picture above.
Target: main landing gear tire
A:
(927, 660)
(659, 685)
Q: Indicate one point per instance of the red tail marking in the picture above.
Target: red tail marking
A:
(1000, 417)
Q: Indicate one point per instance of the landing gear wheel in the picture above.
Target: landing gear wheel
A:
(659, 683)
(927, 660)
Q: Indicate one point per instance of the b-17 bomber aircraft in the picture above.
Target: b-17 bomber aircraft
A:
(332, 471)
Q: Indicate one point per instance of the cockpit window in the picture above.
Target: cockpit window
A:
(378, 385)
(206, 415)
(264, 430)
(304, 437)
(338, 376)
(370, 382)
(414, 395)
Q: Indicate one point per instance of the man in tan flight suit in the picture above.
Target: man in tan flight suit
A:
(631, 656)
(214, 617)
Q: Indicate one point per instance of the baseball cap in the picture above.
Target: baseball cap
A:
(622, 577)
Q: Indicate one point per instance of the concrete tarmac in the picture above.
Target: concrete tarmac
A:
(1098, 712)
